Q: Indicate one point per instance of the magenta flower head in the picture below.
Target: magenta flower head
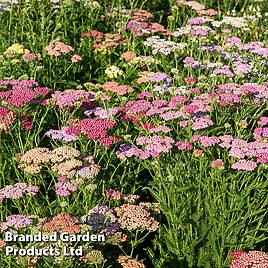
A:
(189, 60)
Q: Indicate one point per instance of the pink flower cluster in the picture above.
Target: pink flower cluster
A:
(161, 128)
(201, 9)
(201, 122)
(61, 134)
(136, 107)
(247, 89)
(199, 20)
(30, 57)
(184, 145)
(22, 92)
(249, 259)
(75, 58)
(247, 165)
(239, 149)
(140, 28)
(65, 188)
(26, 121)
(102, 112)
(263, 121)
(145, 95)
(177, 101)
(225, 70)
(127, 262)
(71, 97)
(170, 115)
(153, 147)
(261, 134)
(157, 77)
(57, 48)
(95, 128)
(17, 190)
(113, 194)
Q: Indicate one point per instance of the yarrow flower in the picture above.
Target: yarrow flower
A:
(17, 190)
(7, 119)
(103, 42)
(65, 161)
(163, 46)
(153, 146)
(28, 57)
(15, 221)
(21, 92)
(198, 152)
(61, 223)
(201, 122)
(246, 259)
(57, 48)
(132, 217)
(61, 134)
(217, 164)
(129, 55)
(247, 165)
(113, 194)
(65, 188)
(117, 88)
(71, 97)
(93, 257)
(102, 219)
(75, 58)
(184, 145)
(161, 128)
(263, 121)
(113, 72)
(127, 262)
(14, 50)
(95, 128)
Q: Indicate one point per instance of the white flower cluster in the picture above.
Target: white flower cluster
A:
(163, 46)
(6, 4)
(237, 22)
(181, 31)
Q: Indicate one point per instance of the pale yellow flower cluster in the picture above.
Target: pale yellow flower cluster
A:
(16, 52)
(142, 61)
(113, 72)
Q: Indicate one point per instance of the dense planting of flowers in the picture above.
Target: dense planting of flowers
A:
(143, 124)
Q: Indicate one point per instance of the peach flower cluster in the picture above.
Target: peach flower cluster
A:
(57, 48)
(117, 88)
